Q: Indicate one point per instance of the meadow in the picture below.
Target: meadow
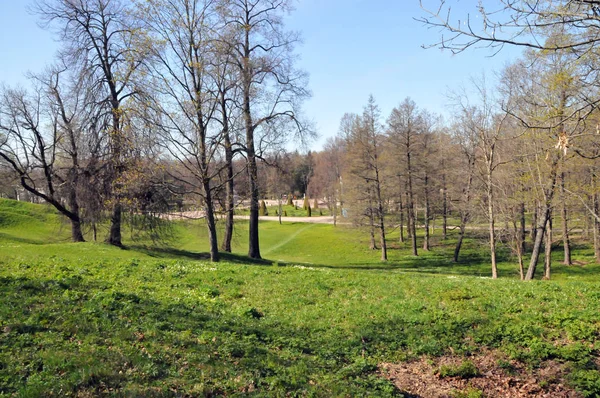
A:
(320, 316)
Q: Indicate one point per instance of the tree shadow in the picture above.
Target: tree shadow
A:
(173, 253)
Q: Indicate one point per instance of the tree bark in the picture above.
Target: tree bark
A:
(465, 213)
(565, 226)
(522, 213)
(548, 249)
(229, 188)
(427, 215)
(114, 237)
(380, 214)
(371, 214)
(210, 221)
(534, 221)
(411, 206)
(492, 216)
(444, 207)
(541, 228)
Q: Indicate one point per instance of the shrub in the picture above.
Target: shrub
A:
(262, 211)
(289, 201)
(285, 213)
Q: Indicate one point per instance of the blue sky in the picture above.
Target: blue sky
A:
(351, 49)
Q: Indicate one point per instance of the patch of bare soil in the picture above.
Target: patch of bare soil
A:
(497, 377)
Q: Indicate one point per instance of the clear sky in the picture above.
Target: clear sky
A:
(351, 49)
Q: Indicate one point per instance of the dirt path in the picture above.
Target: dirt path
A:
(194, 215)
(310, 220)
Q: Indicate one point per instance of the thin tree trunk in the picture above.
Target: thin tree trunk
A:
(444, 208)
(76, 234)
(427, 215)
(519, 237)
(522, 214)
(229, 188)
(549, 194)
(401, 211)
(465, 213)
(210, 222)
(548, 249)
(596, 224)
(534, 222)
(565, 226)
(412, 216)
(381, 215)
(492, 216)
(372, 244)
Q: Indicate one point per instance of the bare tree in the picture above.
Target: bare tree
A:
(43, 140)
(100, 37)
(271, 88)
(188, 95)
(404, 126)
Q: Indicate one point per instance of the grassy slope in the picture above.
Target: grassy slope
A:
(87, 318)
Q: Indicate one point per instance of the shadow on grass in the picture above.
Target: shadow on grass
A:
(137, 342)
(17, 239)
(471, 263)
(172, 253)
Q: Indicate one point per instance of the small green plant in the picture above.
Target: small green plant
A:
(468, 393)
(465, 370)
(285, 213)
(586, 382)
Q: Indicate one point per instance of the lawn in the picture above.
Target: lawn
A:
(317, 318)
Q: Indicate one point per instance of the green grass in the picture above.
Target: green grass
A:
(315, 319)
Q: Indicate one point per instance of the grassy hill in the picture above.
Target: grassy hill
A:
(318, 318)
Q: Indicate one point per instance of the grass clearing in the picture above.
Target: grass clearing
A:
(159, 320)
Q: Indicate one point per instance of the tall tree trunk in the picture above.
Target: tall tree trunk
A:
(371, 214)
(411, 213)
(596, 205)
(210, 221)
(522, 214)
(548, 249)
(335, 209)
(401, 213)
(465, 213)
(444, 207)
(229, 188)
(565, 226)
(534, 221)
(253, 237)
(114, 237)
(545, 216)
(76, 234)
(381, 216)
(427, 215)
(491, 218)
(519, 237)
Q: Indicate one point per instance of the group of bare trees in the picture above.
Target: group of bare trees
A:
(523, 148)
(154, 93)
